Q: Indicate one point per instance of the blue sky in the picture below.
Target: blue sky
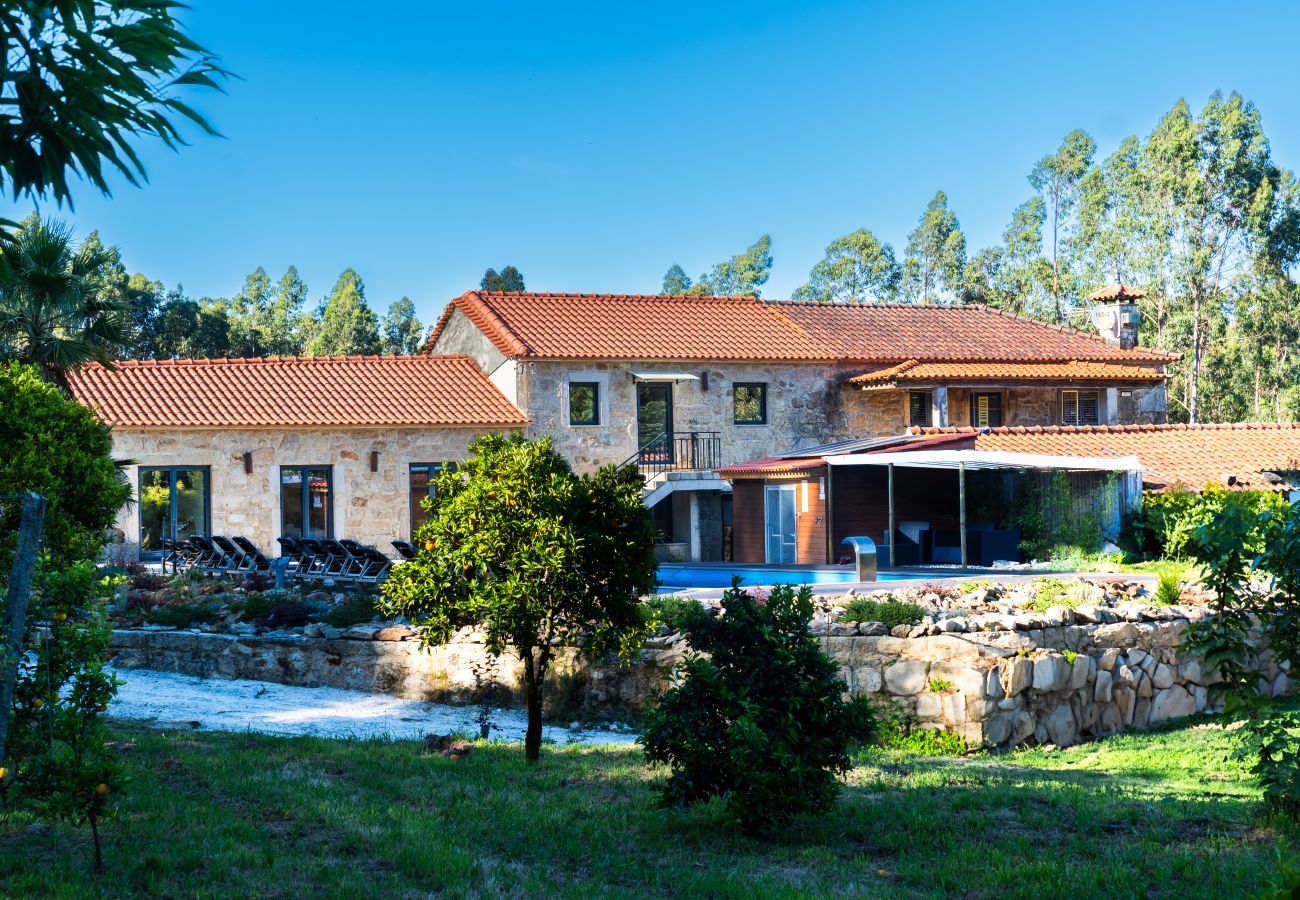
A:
(594, 145)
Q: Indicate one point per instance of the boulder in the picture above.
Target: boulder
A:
(1017, 675)
(1109, 657)
(361, 632)
(1061, 727)
(929, 706)
(901, 631)
(1125, 698)
(1163, 677)
(1051, 673)
(1079, 672)
(1172, 703)
(1102, 691)
(395, 633)
(873, 629)
(906, 676)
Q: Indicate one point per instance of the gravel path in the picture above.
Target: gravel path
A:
(166, 699)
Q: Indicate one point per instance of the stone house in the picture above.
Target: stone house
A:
(338, 447)
(683, 386)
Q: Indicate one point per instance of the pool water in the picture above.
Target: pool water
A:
(715, 576)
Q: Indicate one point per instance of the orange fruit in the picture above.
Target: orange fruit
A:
(101, 789)
(430, 546)
(3, 773)
(60, 617)
(38, 703)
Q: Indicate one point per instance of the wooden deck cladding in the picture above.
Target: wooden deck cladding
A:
(747, 520)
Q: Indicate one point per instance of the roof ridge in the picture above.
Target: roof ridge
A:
(1068, 329)
(568, 295)
(268, 360)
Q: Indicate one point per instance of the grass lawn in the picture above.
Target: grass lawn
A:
(210, 814)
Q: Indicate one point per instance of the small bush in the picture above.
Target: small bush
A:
(257, 581)
(185, 615)
(1070, 656)
(257, 608)
(922, 742)
(890, 612)
(289, 614)
(149, 581)
(356, 609)
(941, 686)
(1049, 592)
(757, 716)
(1169, 588)
(675, 612)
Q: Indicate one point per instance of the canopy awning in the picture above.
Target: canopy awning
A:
(665, 376)
(987, 459)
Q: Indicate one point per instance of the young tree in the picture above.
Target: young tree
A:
(83, 81)
(1057, 178)
(284, 331)
(740, 276)
(57, 310)
(676, 281)
(402, 331)
(1012, 276)
(756, 714)
(509, 279)
(858, 268)
(539, 558)
(347, 323)
(249, 315)
(936, 254)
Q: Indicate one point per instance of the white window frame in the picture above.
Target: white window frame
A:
(601, 379)
(1078, 396)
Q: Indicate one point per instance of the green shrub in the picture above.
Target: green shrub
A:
(1169, 588)
(890, 612)
(258, 607)
(922, 742)
(675, 612)
(1049, 592)
(183, 615)
(941, 686)
(1166, 523)
(356, 609)
(757, 716)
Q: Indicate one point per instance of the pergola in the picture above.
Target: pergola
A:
(963, 460)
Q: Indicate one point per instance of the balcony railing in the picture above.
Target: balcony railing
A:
(677, 451)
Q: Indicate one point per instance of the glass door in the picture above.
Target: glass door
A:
(779, 518)
(306, 502)
(175, 503)
(654, 420)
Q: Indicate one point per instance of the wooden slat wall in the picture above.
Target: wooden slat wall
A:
(747, 520)
(860, 500)
(810, 526)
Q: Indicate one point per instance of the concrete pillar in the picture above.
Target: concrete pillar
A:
(939, 415)
(1109, 412)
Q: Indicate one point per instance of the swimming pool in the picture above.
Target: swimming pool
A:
(714, 576)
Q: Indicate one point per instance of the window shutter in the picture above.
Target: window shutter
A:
(982, 411)
(1069, 407)
(1088, 408)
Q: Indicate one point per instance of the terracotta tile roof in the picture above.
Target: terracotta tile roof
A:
(1113, 292)
(913, 372)
(634, 326)
(1190, 456)
(899, 332)
(771, 466)
(295, 391)
(630, 326)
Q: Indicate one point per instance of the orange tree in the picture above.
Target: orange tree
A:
(538, 557)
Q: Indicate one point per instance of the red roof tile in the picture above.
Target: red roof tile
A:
(630, 326)
(634, 326)
(771, 466)
(1190, 456)
(295, 391)
(1113, 292)
(913, 371)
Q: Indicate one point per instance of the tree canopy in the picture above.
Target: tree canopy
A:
(508, 279)
(347, 323)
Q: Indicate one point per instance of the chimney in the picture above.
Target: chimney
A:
(1115, 314)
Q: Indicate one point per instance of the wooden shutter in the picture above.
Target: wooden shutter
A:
(919, 408)
(1087, 407)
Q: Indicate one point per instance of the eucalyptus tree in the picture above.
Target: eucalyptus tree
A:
(857, 268)
(1058, 179)
(508, 279)
(740, 276)
(347, 323)
(936, 254)
(676, 281)
(401, 332)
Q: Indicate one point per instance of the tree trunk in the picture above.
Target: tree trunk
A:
(534, 677)
(16, 599)
(1194, 378)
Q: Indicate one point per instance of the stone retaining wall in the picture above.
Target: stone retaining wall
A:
(1055, 684)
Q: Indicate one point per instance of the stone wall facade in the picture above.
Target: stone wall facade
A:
(369, 507)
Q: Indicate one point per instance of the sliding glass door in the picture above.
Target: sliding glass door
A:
(306, 502)
(175, 502)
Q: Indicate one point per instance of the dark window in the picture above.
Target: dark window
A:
(751, 404)
(1079, 407)
(175, 502)
(584, 403)
(422, 485)
(986, 410)
(306, 502)
(919, 407)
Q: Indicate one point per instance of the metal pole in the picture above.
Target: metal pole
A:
(830, 518)
(16, 600)
(961, 504)
(890, 536)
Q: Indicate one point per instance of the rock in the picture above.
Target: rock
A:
(1079, 672)
(1135, 657)
(843, 629)
(1111, 721)
(1061, 728)
(901, 631)
(1058, 616)
(954, 708)
(1109, 657)
(1051, 672)
(313, 630)
(952, 626)
(906, 677)
(1125, 677)
(997, 729)
(395, 633)
(929, 706)
(873, 629)
(1281, 684)
(243, 628)
(1102, 691)
(1142, 712)
(993, 686)
(1086, 615)
(1125, 698)
(1144, 689)
(446, 745)
(1017, 675)
(361, 632)
(1163, 677)
(330, 633)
